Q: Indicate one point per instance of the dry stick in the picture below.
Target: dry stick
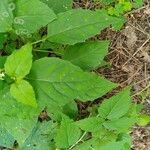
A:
(122, 53)
(140, 30)
(139, 49)
(141, 81)
(130, 54)
(145, 70)
(116, 40)
(138, 93)
(136, 10)
(131, 77)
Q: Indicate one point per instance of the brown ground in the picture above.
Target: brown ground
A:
(129, 55)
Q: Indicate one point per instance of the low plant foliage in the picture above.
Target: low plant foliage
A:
(46, 69)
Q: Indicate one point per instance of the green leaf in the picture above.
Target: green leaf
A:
(128, 6)
(120, 125)
(59, 6)
(104, 135)
(6, 16)
(109, 145)
(135, 110)
(7, 140)
(138, 3)
(87, 55)
(116, 106)
(40, 137)
(103, 138)
(126, 138)
(23, 92)
(116, 25)
(143, 119)
(23, 127)
(16, 118)
(90, 124)
(69, 28)
(18, 64)
(67, 134)
(31, 16)
(58, 82)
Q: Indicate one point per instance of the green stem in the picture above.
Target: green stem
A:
(43, 51)
(41, 40)
(76, 143)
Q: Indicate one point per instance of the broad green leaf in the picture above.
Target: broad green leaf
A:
(116, 106)
(119, 9)
(67, 134)
(118, 23)
(6, 139)
(127, 6)
(20, 128)
(90, 124)
(59, 6)
(6, 16)
(16, 118)
(143, 119)
(109, 145)
(138, 3)
(87, 55)
(69, 28)
(126, 138)
(19, 63)
(23, 92)
(31, 16)
(102, 138)
(58, 82)
(120, 125)
(135, 110)
(104, 135)
(40, 137)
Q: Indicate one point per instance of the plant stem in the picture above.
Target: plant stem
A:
(78, 141)
(43, 51)
(41, 40)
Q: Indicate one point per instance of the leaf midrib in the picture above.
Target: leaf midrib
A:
(77, 27)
